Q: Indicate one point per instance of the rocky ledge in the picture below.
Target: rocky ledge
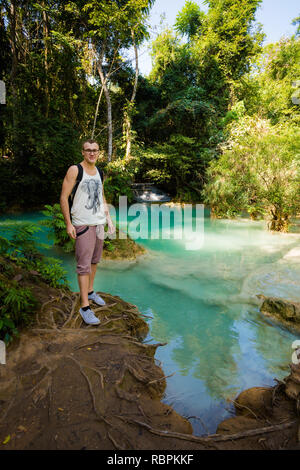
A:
(287, 312)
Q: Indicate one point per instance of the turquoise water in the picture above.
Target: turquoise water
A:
(203, 304)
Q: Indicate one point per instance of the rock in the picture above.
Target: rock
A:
(236, 425)
(254, 402)
(281, 308)
(292, 389)
(292, 382)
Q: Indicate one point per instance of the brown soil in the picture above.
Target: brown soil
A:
(71, 386)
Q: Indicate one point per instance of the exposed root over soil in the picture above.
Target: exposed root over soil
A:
(67, 385)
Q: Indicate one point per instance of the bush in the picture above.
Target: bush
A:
(258, 171)
(57, 226)
(52, 272)
(120, 174)
(17, 306)
(21, 248)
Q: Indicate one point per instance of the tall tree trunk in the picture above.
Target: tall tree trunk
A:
(96, 112)
(127, 114)
(46, 59)
(12, 14)
(108, 101)
(101, 92)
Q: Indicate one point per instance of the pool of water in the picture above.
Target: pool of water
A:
(203, 304)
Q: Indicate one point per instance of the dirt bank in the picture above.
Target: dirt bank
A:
(71, 386)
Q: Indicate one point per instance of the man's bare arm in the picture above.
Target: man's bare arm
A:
(111, 227)
(67, 186)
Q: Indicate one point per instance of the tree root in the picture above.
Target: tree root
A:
(46, 330)
(147, 346)
(276, 390)
(162, 378)
(99, 341)
(74, 305)
(111, 320)
(117, 446)
(125, 395)
(39, 382)
(201, 421)
(98, 414)
(104, 307)
(53, 299)
(127, 367)
(98, 373)
(238, 405)
(215, 437)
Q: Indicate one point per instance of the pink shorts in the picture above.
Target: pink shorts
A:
(88, 248)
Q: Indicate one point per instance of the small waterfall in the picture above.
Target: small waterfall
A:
(147, 192)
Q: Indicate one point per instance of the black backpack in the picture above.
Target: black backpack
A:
(78, 179)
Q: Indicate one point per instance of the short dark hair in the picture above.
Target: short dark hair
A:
(89, 141)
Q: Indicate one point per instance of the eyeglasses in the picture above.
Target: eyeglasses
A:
(90, 151)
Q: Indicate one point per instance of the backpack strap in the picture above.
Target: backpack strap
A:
(100, 173)
(78, 179)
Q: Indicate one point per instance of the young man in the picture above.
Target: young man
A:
(89, 215)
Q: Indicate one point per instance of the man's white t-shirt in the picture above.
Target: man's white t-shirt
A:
(88, 206)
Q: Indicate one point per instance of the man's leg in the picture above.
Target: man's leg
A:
(94, 263)
(92, 276)
(84, 249)
(83, 282)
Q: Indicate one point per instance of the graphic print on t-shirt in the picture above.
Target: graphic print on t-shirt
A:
(92, 188)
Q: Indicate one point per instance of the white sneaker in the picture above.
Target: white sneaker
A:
(96, 298)
(89, 317)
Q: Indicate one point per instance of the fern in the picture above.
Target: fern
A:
(56, 223)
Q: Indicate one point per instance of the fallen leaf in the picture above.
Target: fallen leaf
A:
(18, 277)
(6, 440)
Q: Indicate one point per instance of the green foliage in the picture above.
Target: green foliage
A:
(277, 68)
(258, 171)
(189, 19)
(119, 178)
(52, 272)
(46, 148)
(18, 301)
(17, 308)
(194, 103)
(176, 166)
(22, 247)
(56, 223)
(21, 242)
(237, 111)
(49, 102)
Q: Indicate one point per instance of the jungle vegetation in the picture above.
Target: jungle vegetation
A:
(216, 120)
